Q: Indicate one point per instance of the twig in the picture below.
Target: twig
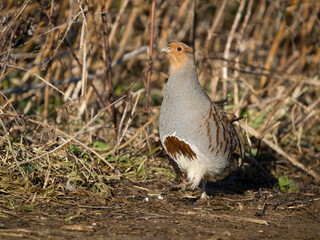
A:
(214, 25)
(128, 55)
(300, 120)
(125, 111)
(83, 48)
(210, 34)
(228, 45)
(127, 33)
(137, 132)
(38, 76)
(13, 20)
(116, 23)
(72, 138)
(229, 217)
(274, 111)
(240, 219)
(252, 90)
(61, 82)
(279, 150)
(237, 59)
(120, 137)
(107, 69)
(241, 33)
(48, 44)
(194, 25)
(153, 9)
(10, 146)
(38, 86)
(273, 51)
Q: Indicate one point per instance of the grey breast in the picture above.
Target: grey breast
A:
(184, 102)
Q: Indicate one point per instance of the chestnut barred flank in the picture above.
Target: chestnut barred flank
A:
(176, 147)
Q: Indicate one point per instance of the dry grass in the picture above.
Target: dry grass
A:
(73, 81)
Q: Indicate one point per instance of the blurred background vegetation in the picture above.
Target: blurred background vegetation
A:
(74, 77)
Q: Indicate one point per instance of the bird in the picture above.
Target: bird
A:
(193, 130)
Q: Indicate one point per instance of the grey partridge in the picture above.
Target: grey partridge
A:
(194, 132)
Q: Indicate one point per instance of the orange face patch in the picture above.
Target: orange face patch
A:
(178, 54)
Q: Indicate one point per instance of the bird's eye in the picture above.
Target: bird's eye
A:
(179, 49)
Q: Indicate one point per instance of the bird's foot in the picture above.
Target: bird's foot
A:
(204, 196)
(204, 199)
(182, 186)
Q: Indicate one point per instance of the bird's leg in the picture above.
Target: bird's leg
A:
(177, 170)
(204, 199)
(204, 195)
(184, 183)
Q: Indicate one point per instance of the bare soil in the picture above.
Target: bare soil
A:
(153, 209)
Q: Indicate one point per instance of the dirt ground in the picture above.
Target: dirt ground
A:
(153, 209)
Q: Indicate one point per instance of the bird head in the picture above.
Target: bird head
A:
(178, 53)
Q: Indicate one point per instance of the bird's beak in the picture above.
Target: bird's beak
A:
(166, 49)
